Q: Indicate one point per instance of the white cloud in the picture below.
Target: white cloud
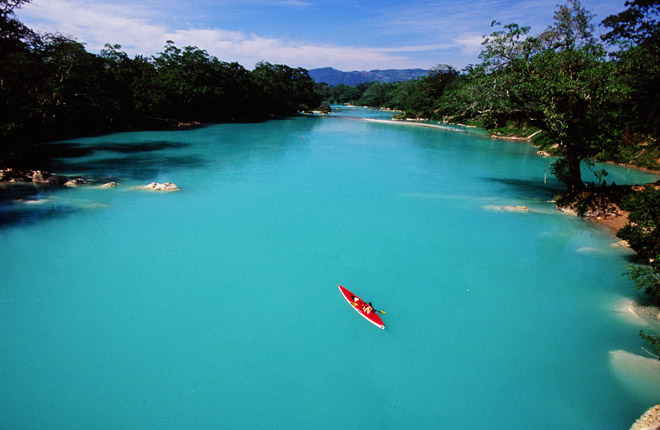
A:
(250, 49)
(470, 45)
(96, 25)
(134, 29)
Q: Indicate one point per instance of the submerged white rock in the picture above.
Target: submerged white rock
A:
(635, 313)
(638, 374)
(589, 250)
(109, 185)
(507, 208)
(156, 186)
(75, 182)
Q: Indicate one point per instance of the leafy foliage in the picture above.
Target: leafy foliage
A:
(417, 97)
(642, 230)
(647, 280)
(636, 34)
(643, 234)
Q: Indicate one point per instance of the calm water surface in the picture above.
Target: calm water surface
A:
(217, 306)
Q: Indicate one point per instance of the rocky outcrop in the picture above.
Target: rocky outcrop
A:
(15, 175)
(75, 182)
(155, 186)
(109, 185)
(601, 202)
(41, 177)
(56, 180)
(649, 421)
(38, 177)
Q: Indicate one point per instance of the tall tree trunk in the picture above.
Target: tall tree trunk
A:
(575, 183)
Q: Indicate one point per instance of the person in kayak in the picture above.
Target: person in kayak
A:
(368, 308)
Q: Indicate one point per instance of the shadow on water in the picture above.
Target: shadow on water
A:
(73, 149)
(79, 157)
(49, 154)
(131, 168)
(531, 189)
(28, 204)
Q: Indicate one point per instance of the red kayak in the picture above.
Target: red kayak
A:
(358, 304)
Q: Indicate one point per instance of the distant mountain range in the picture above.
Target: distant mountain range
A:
(333, 76)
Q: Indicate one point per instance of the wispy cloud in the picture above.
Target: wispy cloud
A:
(469, 45)
(95, 26)
(136, 31)
(250, 49)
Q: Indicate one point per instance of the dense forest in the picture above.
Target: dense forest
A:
(52, 88)
(582, 99)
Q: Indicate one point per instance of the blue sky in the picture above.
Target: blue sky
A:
(344, 34)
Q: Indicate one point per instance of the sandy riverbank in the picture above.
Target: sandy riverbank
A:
(415, 124)
(612, 223)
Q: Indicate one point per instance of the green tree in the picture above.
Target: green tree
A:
(642, 230)
(342, 93)
(494, 91)
(376, 95)
(186, 80)
(16, 66)
(70, 88)
(119, 78)
(421, 97)
(636, 34)
(558, 82)
(283, 90)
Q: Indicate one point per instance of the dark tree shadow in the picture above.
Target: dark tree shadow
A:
(531, 189)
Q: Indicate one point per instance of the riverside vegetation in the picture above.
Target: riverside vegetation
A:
(51, 88)
(581, 99)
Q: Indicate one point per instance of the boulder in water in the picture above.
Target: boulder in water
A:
(39, 177)
(649, 421)
(75, 182)
(155, 186)
(109, 185)
(56, 180)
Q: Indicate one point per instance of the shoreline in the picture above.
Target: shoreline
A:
(415, 124)
(449, 127)
(612, 222)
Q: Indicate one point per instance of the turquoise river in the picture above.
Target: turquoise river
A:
(217, 306)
